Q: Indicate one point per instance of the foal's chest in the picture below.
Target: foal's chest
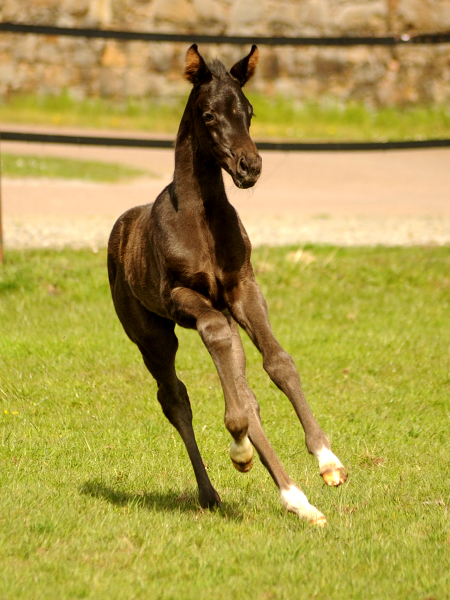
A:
(207, 263)
(200, 273)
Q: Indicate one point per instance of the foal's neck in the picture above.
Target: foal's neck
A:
(198, 176)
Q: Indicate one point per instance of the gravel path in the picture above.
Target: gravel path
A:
(93, 232)
(339, 198)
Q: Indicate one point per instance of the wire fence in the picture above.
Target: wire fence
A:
(123, 142)
(392, 40)
(399, 40)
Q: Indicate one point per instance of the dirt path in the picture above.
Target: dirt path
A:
(397, 197)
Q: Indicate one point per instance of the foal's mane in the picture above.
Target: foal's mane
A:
(217, 68)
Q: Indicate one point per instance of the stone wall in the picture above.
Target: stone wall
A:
(377, 76)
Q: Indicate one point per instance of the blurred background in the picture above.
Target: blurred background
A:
(305, 93)
(64, 74)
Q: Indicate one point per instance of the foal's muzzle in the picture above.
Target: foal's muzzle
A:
(247, 170)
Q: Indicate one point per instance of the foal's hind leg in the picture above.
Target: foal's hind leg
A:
(158, 344)
(174, 400)
(292, 498)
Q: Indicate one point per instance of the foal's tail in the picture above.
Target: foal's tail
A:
(112, 271)
(113, 251)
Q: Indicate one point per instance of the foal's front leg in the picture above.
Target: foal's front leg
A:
(214, 329)
(292, 498)
(249, 309)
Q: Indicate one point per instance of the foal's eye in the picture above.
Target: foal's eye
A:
(208, 117)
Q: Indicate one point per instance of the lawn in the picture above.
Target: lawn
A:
(276, 117)
(18, 166)
(98, 497)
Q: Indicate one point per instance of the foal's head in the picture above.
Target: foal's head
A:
(221, 114)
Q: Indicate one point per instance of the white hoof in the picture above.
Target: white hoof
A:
(241, 454)
(294, 500)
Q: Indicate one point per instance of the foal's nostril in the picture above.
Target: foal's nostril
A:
(242, 167)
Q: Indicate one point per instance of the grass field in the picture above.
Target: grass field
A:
(17, 166)
(275, 118)
(98, 497)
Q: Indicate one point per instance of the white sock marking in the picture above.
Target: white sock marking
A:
(294, 500)
(327, 459)
(241, 452)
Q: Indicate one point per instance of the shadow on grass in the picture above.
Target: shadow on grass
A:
(186, 502)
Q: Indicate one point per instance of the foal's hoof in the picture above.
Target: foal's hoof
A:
(241, 454)
(334, 476)
(320, 521)
(243, 467)
(210, 500)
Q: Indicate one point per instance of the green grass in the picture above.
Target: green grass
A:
(283, 118)
(275, 117)
(98, 497)
(149, 115)
(18, 166)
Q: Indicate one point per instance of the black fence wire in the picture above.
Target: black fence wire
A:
(85, 140)
(392, 40)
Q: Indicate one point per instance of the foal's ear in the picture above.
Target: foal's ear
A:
(245, 68)
(196, 69)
